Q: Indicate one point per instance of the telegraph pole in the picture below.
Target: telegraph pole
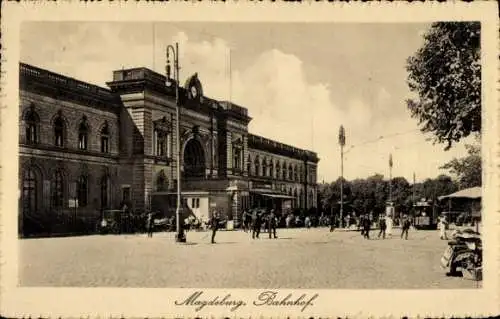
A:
(390, 177)
(342, 144)
(414, 188)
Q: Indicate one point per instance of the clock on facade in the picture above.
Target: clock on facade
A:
(194, 91)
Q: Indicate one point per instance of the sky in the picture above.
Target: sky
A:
(299, 81)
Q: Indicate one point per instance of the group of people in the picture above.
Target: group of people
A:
(254, 220)
(366, 223)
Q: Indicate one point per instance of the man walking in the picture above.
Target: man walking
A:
(244, 221)
(405, 225)
(256, 224)
(150, 224)
(366, 227)
(272, 223)
(332, 223)
(383, 226)
(361, 225)
(214, 223)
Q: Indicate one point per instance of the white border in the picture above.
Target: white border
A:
(66, 302)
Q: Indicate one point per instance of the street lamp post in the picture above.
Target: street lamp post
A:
(180, 237)
(342, 144)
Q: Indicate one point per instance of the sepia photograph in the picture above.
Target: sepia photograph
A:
(341, 158)
(252, 155)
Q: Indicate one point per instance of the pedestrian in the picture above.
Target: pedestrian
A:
(361, 224)
(307, 222)
(383, 226)
(272, 223)
(366, 227)
(405, 225)
(150, 224)
(256, 223)
(388, 222)
(244, 220)
(332, 223)
(214, 223)
(442, 228)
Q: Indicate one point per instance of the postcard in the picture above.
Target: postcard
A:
(249, 160)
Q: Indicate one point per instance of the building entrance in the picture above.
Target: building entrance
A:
(194, 159)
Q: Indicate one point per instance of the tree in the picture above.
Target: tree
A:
(467, 170)
(400, 192)
(445, 73)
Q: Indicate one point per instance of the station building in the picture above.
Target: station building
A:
(84, 149)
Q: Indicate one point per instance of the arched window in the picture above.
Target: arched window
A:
(257, 166)
(58, 190)
(32, 122)
(295, 173)
(105, 191)
(82, 190)
(284, 171)
(295, 201)
(162, 138)
(237, 156)
(278, 170)
(290, 172)
(271, 169)
(83, 135)
(59, 131)
(300, 174)
(264, 166)
(105, 138)
(299, 199)
(249, 165)
(30, 191)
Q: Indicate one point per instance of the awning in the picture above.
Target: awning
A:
(470, 193)
(278, 196)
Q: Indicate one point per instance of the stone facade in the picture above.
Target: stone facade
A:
(84, 149)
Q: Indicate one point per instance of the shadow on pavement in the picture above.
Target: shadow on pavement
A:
(221, 243)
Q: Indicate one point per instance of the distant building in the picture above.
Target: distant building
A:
(84, 149)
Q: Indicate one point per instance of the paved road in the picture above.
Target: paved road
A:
(299, 258)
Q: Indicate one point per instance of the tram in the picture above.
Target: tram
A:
(424, 215)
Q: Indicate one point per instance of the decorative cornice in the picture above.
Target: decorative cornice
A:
(265, 144)
(61, 87)
(52, 148)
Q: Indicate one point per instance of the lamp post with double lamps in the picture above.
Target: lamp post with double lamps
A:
(180, 236)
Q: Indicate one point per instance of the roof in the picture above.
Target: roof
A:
(471, 193)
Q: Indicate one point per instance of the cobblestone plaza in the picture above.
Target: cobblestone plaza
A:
(299, 258)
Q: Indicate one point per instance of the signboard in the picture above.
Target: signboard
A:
(73, 203)
(212, 205)
(262, 185)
